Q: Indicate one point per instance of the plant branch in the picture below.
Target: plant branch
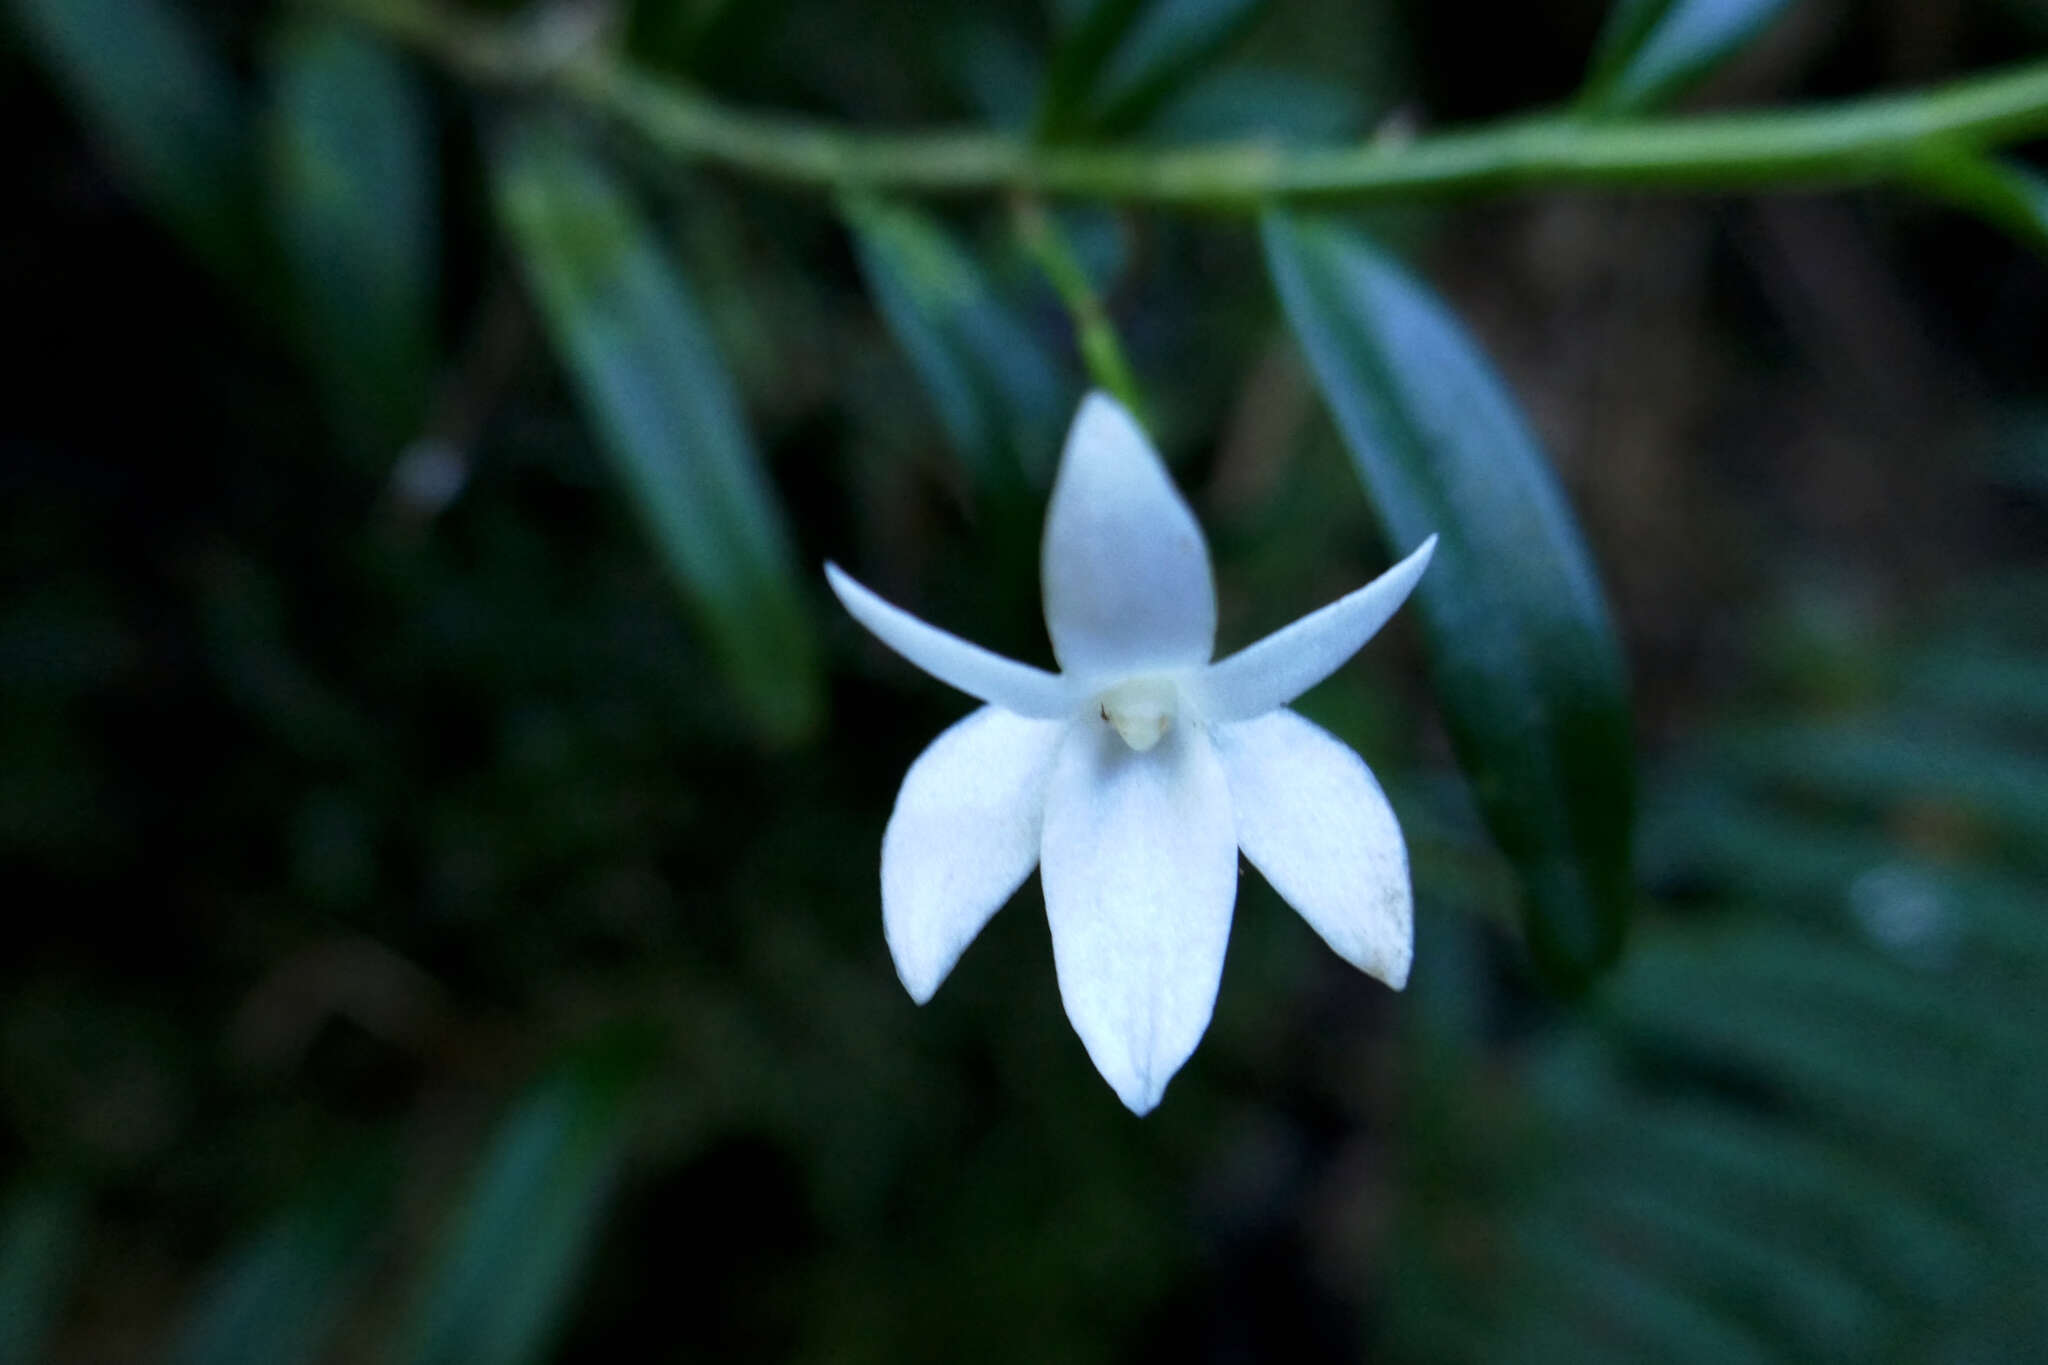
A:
(1852, 142)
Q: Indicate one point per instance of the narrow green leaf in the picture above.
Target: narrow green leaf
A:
(1652, 50)
(1527, 668)
(1126, 58)
(1273, 105)
(628, 330)
(1000, 396)
(1981, 682)
(1974, 916)
(352, 181)
(995, 72)
(519, 1240)
(2013, 454)
(1826, 1200)
(42, 1236)
(1083, 47)
(279, 1298)
(1788, 1294)
(2005, 194)
(167, 112)
(1171, 43)
(1607, 1293)
(1917, 1067)
(1876, 764)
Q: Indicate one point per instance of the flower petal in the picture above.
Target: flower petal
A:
(1312, 819)
(1124, 567)
(1139, 863)
(980, 673)
(1295, 658)
(963, 837)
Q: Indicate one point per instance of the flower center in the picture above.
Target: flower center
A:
(1141, 710)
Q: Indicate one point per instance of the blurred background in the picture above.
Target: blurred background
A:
(434, 937)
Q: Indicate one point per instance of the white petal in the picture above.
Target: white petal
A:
(1311, 818)
(1140, 869)
(1295, 658)
(978, 672)
(1124, 568)
(963, 837)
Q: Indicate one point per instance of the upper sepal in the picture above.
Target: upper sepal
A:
(1124, 567)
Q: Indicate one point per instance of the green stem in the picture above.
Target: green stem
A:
(1852, 142)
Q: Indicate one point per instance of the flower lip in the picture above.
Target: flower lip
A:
(1142, 709)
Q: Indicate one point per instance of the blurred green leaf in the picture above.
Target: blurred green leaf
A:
(1172, 42)
(1086, 40)
(1876, 765)
(1920, 1071)
(1280, 106)
(2004, 193)
(1652, 50)
(353, 175)
(1807, 1194)
(1572, 1271)
(42, 1238)
(1000, 396)
(1791, 1296)
(629, 332)
(167, 112)
(995, 72)
(1122, 59)
(1837, 873)
(525, 1228)
(278, 1299)
(2017, 454)
(1527, 668)
(1982, 682)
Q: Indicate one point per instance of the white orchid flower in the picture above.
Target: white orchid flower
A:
(1133, 776)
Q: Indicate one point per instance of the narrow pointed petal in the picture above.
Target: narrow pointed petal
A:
(1124, 567)
(1139, 862)
(980, 673)
(963, 837)
(1311, 818)
(1295, 658)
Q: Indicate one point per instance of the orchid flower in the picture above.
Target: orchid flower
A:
(1132, 777)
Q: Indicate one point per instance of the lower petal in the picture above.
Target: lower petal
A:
(963, 837)
(1311, 818)
(1139, 863)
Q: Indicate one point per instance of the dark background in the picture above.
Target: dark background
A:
(403, 917)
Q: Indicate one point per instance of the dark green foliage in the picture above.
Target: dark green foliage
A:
(41, 1238)
(518, 1240)
(2008, 194)
(628, 329)
(280, 1298)
(1004, 402)
(147, 84)
(1119, 61)
(1808, 1125)
(353, 181)
(1652, 50)
(1527, 668)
